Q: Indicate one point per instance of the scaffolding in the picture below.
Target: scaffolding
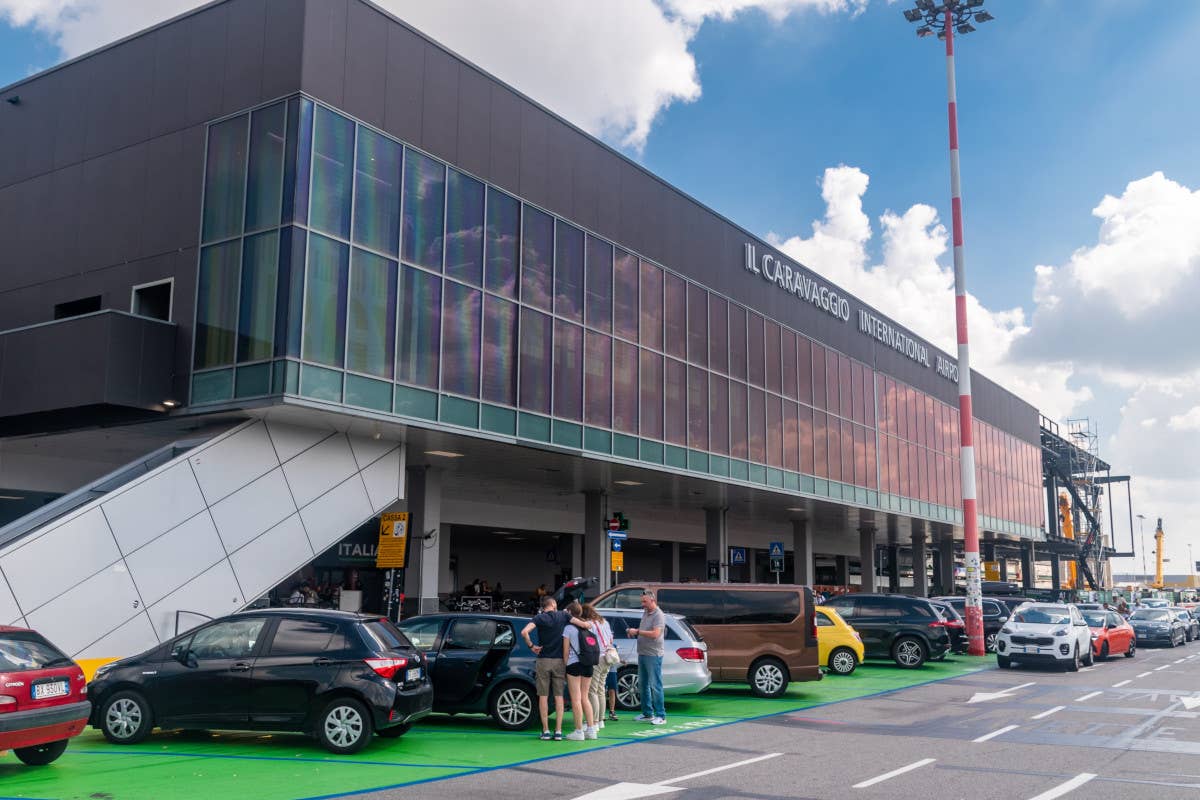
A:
(1084, 459)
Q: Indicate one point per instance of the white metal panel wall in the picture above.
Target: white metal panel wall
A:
(205, 533)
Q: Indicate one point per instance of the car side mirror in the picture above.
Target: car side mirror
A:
(188, 659)
(1080, 623)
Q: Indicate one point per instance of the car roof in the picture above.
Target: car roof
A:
(885, 595)
(309, 613)
(705, 585)
(472, 614)
(14, 629)
(606, 611)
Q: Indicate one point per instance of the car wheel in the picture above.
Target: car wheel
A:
(1003, 662)
(395, 731)
(989, 642)
(909, 652)
(344, 726)
(125, 718)
(1129, 653)
(41, 754)
(1073, 664)
(512, 706)
(768, 678)
(1090, 660)
(842, 661)
(1104, 651)
(629, 696)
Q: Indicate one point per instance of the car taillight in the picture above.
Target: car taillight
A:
(954, 624)
(387, 667)
(690, 653)
(7, 703)
(938, 624)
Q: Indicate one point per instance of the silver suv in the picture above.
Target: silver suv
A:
(685, 658)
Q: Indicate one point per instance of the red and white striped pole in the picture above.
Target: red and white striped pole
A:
(974, 605)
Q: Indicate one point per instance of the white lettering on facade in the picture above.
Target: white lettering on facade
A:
(797, 284)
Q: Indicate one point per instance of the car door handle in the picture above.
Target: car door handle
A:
(322, 662)
(240, 666)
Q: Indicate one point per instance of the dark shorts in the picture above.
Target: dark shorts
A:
(580, 670)
(610, 680)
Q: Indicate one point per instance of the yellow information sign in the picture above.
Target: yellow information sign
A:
(618, 561)
(393, 540)
(991, 570)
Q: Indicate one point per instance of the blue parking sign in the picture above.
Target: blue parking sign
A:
(776, 549)
(737, 555)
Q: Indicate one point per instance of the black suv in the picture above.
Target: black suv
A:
(335, 675)
(995, 613)
(908, 630)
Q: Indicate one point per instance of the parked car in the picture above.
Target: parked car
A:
(1155, 602)
(685, 658)
(841, 646)
(43, 697)
(1191, 624)
(478, 664)
(955, 626)
(1157, 626)
(1053, 633)
(905, 629)
(995, 613)
(764, 634)
(1111, 634)
(332, 674)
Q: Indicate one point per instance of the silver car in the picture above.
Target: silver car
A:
(685, 658)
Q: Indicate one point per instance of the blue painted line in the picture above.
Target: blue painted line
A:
(267, 758)
(517, 764)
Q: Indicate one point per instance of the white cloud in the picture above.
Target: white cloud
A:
(1189, 421)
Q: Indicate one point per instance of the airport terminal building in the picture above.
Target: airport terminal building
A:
(275, 268)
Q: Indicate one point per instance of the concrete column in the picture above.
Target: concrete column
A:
(425, 505)
(1004, 568)
(673, 575)
(1055, 571)
(989, 550)
(841, 568)
(802, 552)
(594, 541)
(866, 556)
(946, 565)
(1027, 556)
(893, 569)
(445, 578)
(716, 539)
(920, 576)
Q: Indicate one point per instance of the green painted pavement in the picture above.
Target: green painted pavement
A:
(204, 766)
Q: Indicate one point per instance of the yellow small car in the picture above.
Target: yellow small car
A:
(840, 646)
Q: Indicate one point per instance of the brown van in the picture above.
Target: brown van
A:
(762, 633)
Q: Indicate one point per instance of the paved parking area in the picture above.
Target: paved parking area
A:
(205, 765)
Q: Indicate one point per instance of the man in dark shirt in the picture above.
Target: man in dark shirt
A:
(550, 668)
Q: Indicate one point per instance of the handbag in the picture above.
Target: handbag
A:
(611, 656)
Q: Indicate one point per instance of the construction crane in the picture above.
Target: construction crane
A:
(1067, 525)
(1158, 556)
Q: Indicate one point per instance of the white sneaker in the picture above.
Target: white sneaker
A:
(642, 718)
(576, 736)
(599, 724)
(591, 733)
(658, 721)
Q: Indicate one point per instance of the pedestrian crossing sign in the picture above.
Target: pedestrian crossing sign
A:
(737, 555)
(776, 549)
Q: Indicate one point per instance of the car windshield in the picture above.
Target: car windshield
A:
(1154, 603)
(1183, 615)
(25, 650)
(1043, 615)
(1095, 618)
(385, 635)
(1151, 615)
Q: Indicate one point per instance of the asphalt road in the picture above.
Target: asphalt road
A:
(1126, 728)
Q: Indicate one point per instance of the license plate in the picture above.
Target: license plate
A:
(43, 691)
(413, 674)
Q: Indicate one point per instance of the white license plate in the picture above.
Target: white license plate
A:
(413, 674)
(46, 690)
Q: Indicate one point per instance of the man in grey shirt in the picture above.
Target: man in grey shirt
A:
(650, 650)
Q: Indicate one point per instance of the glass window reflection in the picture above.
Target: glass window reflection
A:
(568, 271)
(372, 317)
(597, 364)
(536, 333)
(499, 357)
(216, 305)
(325, 301)
(256, 317)
(264, 187)
(568, 370)
(224, 179)
(332, 173)
(537, 258)
(424, 210)
(464, 228)
(419, 335)
(503, 242)
(377, 192)
(461, 331)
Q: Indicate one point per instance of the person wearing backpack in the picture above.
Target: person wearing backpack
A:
(581, 653)
(609, 658)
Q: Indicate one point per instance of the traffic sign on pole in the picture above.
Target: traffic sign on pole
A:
(618, 561)
(737, 555)
(776, 549)
(618, 535)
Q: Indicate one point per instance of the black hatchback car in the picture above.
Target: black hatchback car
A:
(907, 630)
(332, 674)
(478, 664)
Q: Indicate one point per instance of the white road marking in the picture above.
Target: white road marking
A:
(635, 791)
(996, 733)
(1119, 684)
(1180, 660)
(1190, 702)
(1086, 669)
(1144, 674)
(1164, 666)
(983, 697)
(889, 775)
(1087, 696)
(1063, 788)
(1048, 712)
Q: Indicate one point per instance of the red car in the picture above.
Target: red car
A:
(43, 697)
(1111, 633)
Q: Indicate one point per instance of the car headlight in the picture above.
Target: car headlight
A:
(1006, 630)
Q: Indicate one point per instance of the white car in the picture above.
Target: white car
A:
(685, 658)
(1054, 633)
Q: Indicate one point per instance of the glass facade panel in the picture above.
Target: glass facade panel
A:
(371, 323)
(697, 409)
(625, 296)
(845, 379)
(757, 426)
(833, 448)
(804, 370)
(256, 316)
(807, 465)
(462, 311)
(857, 410)
(297, 159)
(651, 329)
(737, 341)
(869, 395)
(264, 184)
(419, 340)
(788, 365)
(791, 436)
(216, 305)
(651, 378)
(499, 351)
(289, 302)
(675, 316)
(332, 173)
(697, 325)
(755, 361)
(847, 451)
(537, 258)
(718, 414)
(774, 356)
(738, 445)
(535, 361)
(818, 375)
(325, 301)
(774, 431)
(568, 370)
(820, 444)
(599, 284)
(424, 210)
(625, 387)
(568, 271)
(675, 403)
(832, 385)
(597, 387)
(377, 192)
(464, 228)
(225, 179)
(503, 243)
(718, 334)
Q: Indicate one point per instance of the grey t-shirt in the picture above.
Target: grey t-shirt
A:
(647, 646)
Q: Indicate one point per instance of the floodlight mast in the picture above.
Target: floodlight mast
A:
(945, 18)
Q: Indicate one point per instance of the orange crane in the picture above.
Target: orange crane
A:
(1067, 526)
(1158, 556)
